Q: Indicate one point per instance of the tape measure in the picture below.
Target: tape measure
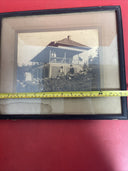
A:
(71, 94)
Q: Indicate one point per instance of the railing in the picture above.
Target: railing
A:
(59, 60)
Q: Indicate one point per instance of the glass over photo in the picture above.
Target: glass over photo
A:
(58, 61)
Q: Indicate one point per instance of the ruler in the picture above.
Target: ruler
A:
(71, 94)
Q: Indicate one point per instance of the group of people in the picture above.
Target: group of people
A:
(71, 71)
(62, 73)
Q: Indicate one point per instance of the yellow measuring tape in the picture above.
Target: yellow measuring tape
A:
(71, 94)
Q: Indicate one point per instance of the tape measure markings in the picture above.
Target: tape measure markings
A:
(72, 94)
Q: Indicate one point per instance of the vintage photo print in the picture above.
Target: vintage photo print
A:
(58, 61)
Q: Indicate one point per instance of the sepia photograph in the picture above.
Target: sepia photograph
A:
(58, 61)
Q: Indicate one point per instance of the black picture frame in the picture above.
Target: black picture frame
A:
(117, 9)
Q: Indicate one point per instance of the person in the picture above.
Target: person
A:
(61, 69)
(70, 74)
(71, 71)
(61, 72)
(84, 67)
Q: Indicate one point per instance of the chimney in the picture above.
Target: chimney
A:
(69, 37)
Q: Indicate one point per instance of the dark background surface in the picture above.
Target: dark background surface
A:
(80, 145)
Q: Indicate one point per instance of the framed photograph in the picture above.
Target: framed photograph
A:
(76, 49)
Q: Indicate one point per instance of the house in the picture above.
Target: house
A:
(57, 57)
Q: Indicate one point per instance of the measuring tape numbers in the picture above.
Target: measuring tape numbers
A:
(71, 94)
